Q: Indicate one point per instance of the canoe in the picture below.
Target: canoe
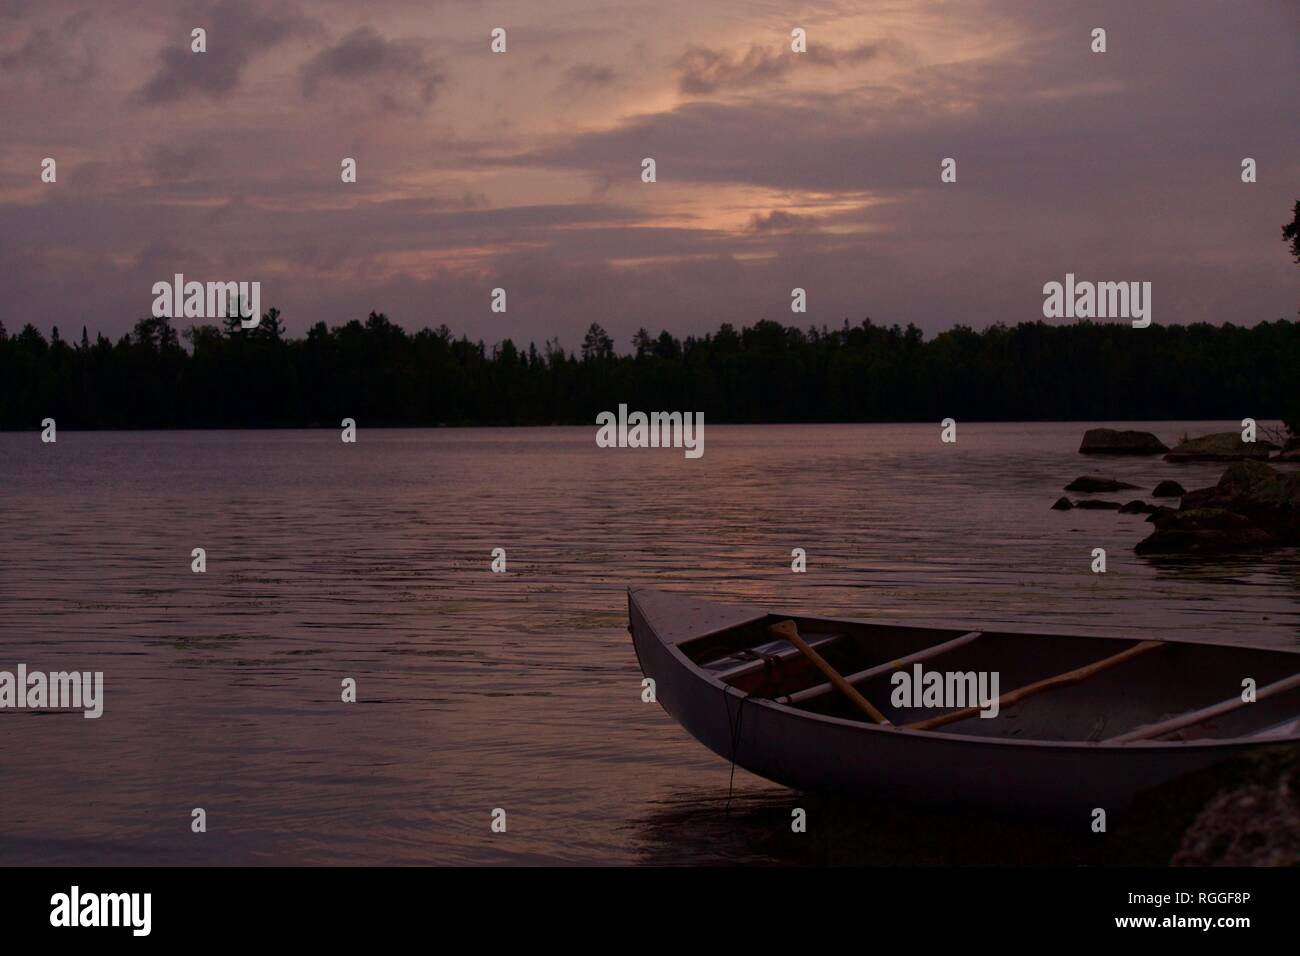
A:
(1083, 721)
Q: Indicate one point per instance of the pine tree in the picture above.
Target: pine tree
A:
(1291, 233)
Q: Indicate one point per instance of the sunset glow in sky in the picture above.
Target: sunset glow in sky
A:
(522, 170)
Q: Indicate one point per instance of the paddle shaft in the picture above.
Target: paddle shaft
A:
(788, 631)
(1050, 683)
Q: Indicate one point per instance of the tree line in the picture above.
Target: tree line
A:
(377, 373)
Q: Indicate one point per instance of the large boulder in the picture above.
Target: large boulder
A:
(1252, 506)
(1062, 504)
(1090, 483)
(1169, 489)
(1269, 496)
(1109, 441)
(1254, 479)
(1204, 531)
(1266, 496)
(1221, 446)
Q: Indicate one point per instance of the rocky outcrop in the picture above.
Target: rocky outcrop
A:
(1098, 504)
(1169, 489)
(1254, 822)
(1221, 446)
(1253, 506)
(1205, 531)
(1268, 497)
(1090, 483)
(1109, 441)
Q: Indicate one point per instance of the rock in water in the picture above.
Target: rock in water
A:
(1268, 497)
(1062, 504)
(1109, 441)
(1204, 531)
(1093, 483)
(1252, 506)
(1169, 489)
(1136, 507)
(1221, 446)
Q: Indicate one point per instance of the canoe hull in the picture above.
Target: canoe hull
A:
(843, 758)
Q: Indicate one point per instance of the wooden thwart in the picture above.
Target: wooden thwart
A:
(749, 667)
(798, 697)
(1194, 717)
(1050, 683)
(790, 632)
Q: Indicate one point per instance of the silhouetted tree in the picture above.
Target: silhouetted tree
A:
(641, 343)
(377, 372)
(1291, 232)
(597, 345)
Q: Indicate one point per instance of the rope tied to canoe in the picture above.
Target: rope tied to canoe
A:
(771, 664)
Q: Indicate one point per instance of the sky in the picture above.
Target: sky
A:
(523, 170)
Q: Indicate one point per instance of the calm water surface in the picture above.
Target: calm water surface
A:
(520, 691)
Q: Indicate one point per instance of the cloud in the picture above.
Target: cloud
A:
(703, 71)
(778, 221)
(61, 53)
(178, 163)
(394, 76)
(588, 76)
(237, 31)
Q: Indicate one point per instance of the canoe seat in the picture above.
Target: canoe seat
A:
(924, 654)
(750, 659)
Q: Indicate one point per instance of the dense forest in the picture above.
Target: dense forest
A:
(379, 374)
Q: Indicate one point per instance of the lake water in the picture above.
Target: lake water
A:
(517, 690)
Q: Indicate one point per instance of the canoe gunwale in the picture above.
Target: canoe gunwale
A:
(1091, 633)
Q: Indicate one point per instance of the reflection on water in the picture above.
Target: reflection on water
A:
(521, 690)
(755, 828)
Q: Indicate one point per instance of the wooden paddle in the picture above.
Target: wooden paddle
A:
(1194, 717)
(787, 630)
(1038, 687)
